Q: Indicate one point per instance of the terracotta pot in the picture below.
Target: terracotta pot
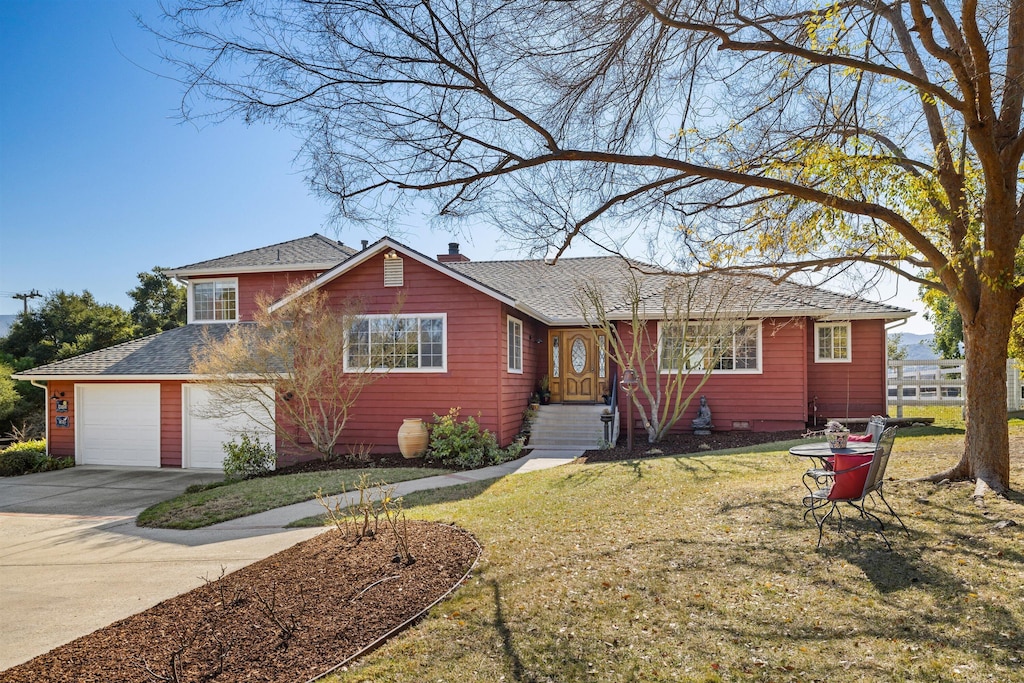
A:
(413, 437)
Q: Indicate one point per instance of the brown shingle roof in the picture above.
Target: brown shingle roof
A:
(552, 290)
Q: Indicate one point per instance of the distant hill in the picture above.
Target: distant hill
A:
(5, 323)
(918, 346)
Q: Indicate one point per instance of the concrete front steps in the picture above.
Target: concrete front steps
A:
(567, 427)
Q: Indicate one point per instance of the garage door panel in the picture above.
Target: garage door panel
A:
(206, 432)
(118, 424)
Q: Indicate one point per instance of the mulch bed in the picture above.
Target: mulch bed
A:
(352, 463)
(673, 444)
(677, 444)
(290, 617)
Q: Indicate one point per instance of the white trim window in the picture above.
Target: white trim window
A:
(692, 346)
(832, 343)
(213, 301)
(515, 345)
(404, 343)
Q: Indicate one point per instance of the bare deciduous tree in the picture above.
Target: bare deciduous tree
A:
(773, 136)
(296, 352)
(672, 335)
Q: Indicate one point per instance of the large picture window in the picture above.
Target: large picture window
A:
(515, 345)
(403, 342)
(215, 301)
(719, 347)
(832, 342)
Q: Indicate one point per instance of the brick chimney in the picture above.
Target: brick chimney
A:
(453, 255)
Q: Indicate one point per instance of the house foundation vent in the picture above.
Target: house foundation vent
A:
(394, 270)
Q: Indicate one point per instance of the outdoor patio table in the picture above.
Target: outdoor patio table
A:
(819, 450)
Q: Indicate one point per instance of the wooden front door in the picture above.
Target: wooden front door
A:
(579, 366)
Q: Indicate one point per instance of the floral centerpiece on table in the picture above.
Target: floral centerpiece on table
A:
(837, 434)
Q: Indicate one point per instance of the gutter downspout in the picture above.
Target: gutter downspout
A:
(46, 405)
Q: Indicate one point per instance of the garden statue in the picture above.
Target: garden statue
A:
(702, 423)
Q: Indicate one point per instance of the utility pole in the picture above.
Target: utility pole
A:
(34, 294)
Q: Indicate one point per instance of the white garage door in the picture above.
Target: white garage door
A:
(205, 433)
(118, 424)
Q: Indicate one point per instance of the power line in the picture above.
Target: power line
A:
(34, 294)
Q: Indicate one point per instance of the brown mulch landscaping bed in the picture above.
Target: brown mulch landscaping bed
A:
(683, 443)
(352, 463)
(290, 617)
(673, 444)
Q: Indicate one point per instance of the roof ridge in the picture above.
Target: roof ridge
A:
(313, 242)
(539, 260)
(337, 244)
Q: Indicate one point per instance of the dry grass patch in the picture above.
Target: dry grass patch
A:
(701, 569)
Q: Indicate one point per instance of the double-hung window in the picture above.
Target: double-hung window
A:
(214, 301)
(515, 345)
(720, 347)
(832, 342)
(397, 342)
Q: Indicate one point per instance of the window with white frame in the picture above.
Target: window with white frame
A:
(214, 301)
(515, 345)
(397, 342)
(832, 342)
(719, 347)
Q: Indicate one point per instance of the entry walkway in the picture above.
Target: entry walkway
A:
(539, 459)
(72, 559)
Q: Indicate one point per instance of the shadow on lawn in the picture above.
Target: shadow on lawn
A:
(700, 467)
(751, 554)
(507, 646)
(448, 494)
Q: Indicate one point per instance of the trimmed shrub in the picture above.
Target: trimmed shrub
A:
(248, 459)
(464, 445)
(27, 457)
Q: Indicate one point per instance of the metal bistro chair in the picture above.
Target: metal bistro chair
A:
(876, 425)
(830, 494)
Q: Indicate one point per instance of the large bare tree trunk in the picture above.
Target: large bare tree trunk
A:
(987, 438)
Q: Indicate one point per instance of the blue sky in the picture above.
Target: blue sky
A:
(100, 180)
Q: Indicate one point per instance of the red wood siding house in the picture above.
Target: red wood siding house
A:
(817, 350)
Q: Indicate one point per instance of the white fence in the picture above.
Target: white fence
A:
(941, 383)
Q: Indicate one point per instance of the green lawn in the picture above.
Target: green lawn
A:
(203, 508)
(701, 569)
(945, 416)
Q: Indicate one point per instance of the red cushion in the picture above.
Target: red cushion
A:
(863, 438)
(849, 484)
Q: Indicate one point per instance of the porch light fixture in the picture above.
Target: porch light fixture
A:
(391, 255)
(56, 397)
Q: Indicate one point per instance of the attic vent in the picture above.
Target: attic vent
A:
(394, 274)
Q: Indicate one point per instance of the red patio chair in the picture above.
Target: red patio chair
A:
(834, 488)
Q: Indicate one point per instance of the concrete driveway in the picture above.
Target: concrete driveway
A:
(72, 559)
